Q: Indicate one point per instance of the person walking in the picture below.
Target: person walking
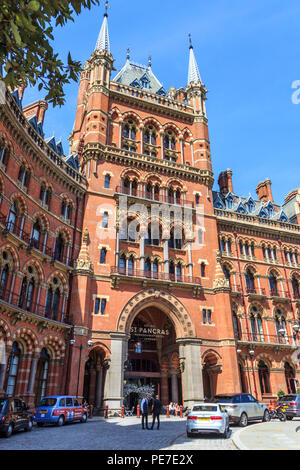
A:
(156, 408)
(144, 411)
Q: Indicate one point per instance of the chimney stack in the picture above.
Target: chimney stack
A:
(264, 192)
(225, 182)
(39, 108)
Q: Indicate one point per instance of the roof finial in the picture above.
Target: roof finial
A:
(127, 53)
(149, 61)
(190, 40)
(106, 7)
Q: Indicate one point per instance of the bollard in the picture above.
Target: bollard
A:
(180, 411)
(122, 411)
(138, 411)
(168, 415)
(106, 412)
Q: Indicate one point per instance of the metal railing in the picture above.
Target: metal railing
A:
(155, 275)
(141, 194)
(266, 338)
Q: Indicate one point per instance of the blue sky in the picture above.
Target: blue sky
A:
(248, 57)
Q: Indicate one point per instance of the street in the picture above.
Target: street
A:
(114, 434)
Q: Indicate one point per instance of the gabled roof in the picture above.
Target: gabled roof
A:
(139, 76)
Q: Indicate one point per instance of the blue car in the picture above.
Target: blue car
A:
(59, 409)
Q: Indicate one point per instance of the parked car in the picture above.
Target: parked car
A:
(59, 409)
(14, 415)
(290, 404)
(242, 408)
(207, 418)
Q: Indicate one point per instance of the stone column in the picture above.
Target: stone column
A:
(166, 257)
(174, 387)
(115, 377)
(31, 381)
(191, 367)
(164, 394)
(142, 252)
(99, 382)
(92, 387)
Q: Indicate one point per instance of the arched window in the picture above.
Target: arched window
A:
(226, 274)
(202, 269)
(179, 272)
(273, 284)
(107, 181)
(250, 284)
(59, 247)
(295, 287)
(264, 378)
(4, 154)
(176, 238)
(24, 176)
(53, 300)
(27, 290)
(13, 366)
(12, 217)
(253, 327)
(260, 328)
(172, 270)
(36, 234)
(236, 326)
(147, 267)
(122, 264)
(103, 253)
(41, 377)
(66, 209)
(155, 269)
(289, 378)
(3, 281)
(130, 265)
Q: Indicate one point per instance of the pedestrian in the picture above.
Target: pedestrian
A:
(156, 408)
(144, 411)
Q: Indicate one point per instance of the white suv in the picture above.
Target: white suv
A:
(243, 407)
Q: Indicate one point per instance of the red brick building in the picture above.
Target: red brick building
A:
(137, 272)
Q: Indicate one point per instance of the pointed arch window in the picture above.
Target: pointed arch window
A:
(273, 284)
(264, 378)
(42, 375)
(13, 367)
(122, 264)
(59, 247)
(250, 283)
(12, 217)
(4, 281)
(4, 154)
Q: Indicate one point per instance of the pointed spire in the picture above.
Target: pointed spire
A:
(102, 43)
(193, 75)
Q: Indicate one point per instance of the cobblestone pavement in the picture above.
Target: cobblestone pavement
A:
(114, 434)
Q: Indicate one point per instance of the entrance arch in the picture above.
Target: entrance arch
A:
(166, 302)
(161, 305)
(95, 376)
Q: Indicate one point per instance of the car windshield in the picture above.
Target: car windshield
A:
(287, 398)
(3, 402)
(48, 402)
(224, 398)
(205, 408)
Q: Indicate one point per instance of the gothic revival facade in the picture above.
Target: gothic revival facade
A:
(121, 267)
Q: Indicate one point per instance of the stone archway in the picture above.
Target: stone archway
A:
(167, 302)
(189, 354)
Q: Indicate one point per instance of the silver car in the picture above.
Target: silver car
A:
(207, 418)
(242, 408)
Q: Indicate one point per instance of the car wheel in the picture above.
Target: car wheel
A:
(267, 416)
(61, 421)
(40, 425)
(9, 431)
(189, 434)
(84, 418)
(243, 420)
(289, 418)
(28, 426)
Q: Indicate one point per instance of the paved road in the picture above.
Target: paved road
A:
(270, 436)
(114, 434)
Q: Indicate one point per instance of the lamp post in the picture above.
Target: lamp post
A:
(72, 343)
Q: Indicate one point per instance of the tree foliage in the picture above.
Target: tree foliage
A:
(26, 54)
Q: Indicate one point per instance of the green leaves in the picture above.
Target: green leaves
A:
(26, 54)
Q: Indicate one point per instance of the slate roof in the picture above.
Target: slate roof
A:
(139, 76)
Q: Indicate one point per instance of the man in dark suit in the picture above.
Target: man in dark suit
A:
(144, 411)
(156, 408)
